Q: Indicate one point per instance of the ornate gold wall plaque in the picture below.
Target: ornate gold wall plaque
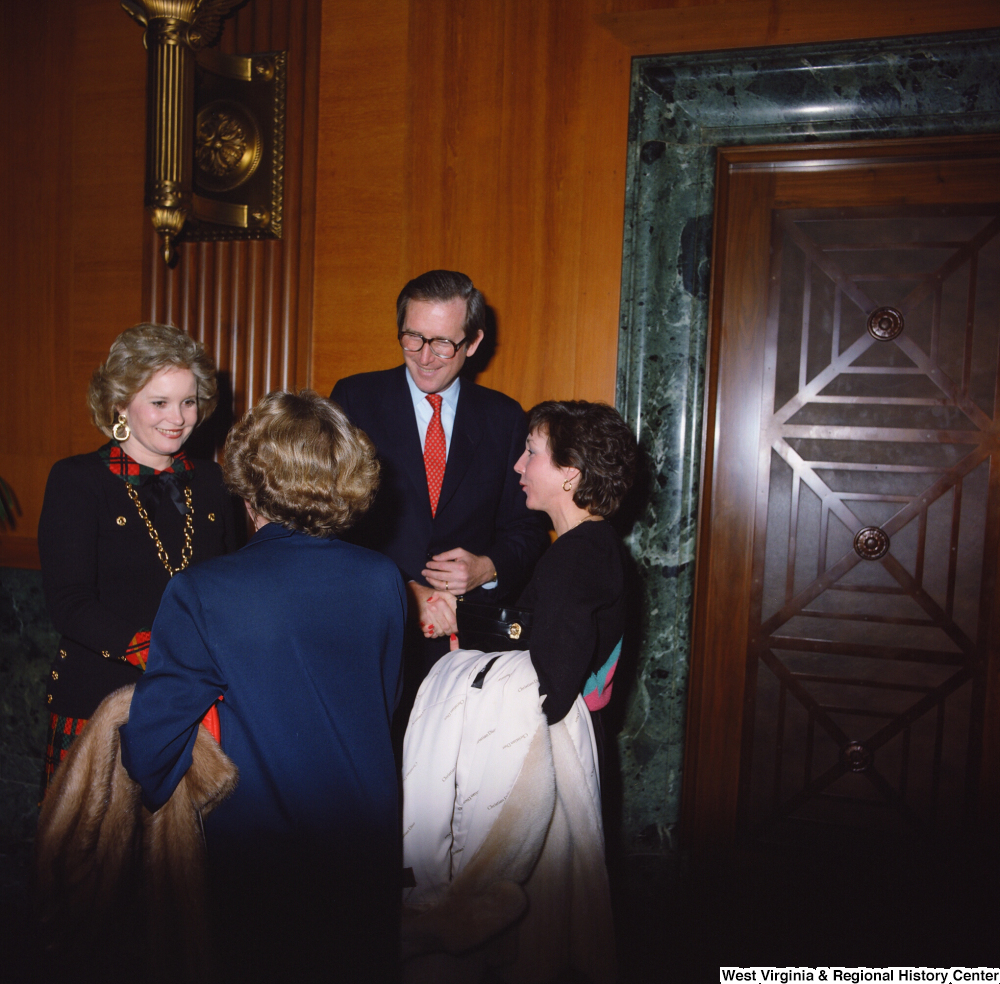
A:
(227, 145)
(214, 127)
(239, 144)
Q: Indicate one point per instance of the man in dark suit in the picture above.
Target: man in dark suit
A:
(466, 531)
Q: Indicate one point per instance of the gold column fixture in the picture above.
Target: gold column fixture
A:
(175, 30)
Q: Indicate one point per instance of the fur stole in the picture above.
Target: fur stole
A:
(117, 885)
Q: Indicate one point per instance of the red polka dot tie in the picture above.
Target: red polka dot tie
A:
(435, 453)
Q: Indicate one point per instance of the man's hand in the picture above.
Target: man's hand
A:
(435, 610)
(458, 571)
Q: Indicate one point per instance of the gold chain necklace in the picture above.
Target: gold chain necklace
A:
(188, 549)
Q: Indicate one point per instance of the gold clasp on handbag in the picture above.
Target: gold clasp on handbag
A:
(515, 630)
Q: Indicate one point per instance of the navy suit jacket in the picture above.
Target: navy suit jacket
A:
(482, 507)
(303, 638)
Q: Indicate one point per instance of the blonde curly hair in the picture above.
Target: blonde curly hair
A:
(136, 355)
(297, 460)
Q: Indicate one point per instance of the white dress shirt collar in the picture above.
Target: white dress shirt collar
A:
(424, 411)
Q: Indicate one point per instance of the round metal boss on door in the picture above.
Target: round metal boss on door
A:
(885, 324)
(871, 543)
(857, 756)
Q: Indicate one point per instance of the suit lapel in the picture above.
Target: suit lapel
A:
(402, 438)
(465, 436)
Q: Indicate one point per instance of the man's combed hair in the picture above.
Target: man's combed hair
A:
(593, 438)
(298, 461)
(445, 285)
(136, 355)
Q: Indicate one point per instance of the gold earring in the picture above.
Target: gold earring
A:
(121, 422)
(567, 486)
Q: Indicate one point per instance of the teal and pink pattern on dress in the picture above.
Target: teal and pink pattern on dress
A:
(597, 689)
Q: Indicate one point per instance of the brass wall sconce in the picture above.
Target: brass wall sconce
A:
(214, 127)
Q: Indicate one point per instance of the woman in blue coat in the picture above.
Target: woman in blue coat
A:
(298, 636)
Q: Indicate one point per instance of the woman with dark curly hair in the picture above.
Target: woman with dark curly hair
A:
(578, 464)
(300, 633)
(501, 763)
(119, 522)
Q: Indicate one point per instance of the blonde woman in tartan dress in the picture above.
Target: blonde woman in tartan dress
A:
(118, 522)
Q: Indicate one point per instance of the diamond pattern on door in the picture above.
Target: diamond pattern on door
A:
(878, 466)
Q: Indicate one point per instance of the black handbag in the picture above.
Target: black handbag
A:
(493, 628)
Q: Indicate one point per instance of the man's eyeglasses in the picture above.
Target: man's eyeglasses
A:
(443, 348)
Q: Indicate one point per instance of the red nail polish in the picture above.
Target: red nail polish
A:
(453, 637)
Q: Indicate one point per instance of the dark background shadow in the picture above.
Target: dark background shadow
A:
(210, 435)
(480, 359)
(612, 787)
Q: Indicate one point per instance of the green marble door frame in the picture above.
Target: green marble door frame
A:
(682, 109)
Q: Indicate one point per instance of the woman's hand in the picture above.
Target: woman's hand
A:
(436, 610)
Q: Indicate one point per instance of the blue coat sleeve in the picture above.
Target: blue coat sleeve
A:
(180, 684)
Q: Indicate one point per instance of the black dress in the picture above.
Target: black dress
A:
(577, 594)
(100, 570)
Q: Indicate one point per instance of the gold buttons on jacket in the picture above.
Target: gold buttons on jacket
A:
(105, 654)
(48, 700)
(120, 520)
(211, 517)
(55, 675)
(62, 653)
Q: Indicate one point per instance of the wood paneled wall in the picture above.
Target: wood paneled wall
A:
(71, 221)
(483, 135)
(489, 136)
